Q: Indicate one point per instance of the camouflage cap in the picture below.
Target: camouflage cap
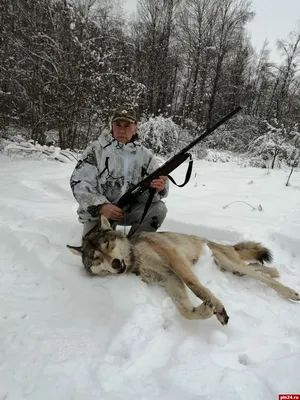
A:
(124, 113)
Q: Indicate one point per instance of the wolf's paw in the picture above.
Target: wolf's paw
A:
(222, 316)
(204, 311)
(289, 293)
(273, 272)
(219, 311)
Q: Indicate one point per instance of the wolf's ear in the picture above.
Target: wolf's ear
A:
(104, 222)
(75, 250)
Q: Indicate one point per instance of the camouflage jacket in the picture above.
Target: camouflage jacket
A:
(106, 170)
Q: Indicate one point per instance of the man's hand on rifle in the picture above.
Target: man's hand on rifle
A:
(111, 212)
(159, 184)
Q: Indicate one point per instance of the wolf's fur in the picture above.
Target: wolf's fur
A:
(166, 259)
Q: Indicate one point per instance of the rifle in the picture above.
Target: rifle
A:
(131, 196)
(164, 170)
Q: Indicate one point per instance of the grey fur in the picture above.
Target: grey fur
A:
(166, 259)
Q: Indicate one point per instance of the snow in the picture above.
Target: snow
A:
(65, 335)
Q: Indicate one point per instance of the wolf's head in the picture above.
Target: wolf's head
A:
(104, 251)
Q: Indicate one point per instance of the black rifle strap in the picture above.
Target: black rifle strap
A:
(188, 173)
(147, 206)
(153, 191)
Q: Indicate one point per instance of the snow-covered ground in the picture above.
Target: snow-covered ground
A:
(65, 335)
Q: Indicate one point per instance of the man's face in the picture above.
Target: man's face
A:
(123, 130)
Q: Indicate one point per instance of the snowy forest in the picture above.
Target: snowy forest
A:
(66, 64)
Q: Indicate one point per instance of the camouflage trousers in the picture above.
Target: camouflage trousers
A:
(154, 218)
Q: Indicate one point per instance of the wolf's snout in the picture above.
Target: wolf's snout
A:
(119, 265)
(116, 264)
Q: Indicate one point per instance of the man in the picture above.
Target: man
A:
(108, 168)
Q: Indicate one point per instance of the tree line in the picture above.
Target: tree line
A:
(64, 66)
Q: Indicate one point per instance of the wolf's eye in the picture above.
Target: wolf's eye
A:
(107, 245)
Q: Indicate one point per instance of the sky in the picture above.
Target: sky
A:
(274, 20)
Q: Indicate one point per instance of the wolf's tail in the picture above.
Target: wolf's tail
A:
(249, 251)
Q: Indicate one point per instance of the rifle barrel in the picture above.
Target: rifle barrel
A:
(170, 164)
(210, 130)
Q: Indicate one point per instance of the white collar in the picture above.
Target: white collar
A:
(106, 140)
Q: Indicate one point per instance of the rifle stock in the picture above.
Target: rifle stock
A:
(131, 195)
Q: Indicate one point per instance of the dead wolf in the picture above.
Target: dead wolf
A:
(166, 259)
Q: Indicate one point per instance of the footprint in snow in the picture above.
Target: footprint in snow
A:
(244, 359)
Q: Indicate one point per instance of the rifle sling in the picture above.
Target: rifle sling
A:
(147, 206)
(153, 191)
(188, 173)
